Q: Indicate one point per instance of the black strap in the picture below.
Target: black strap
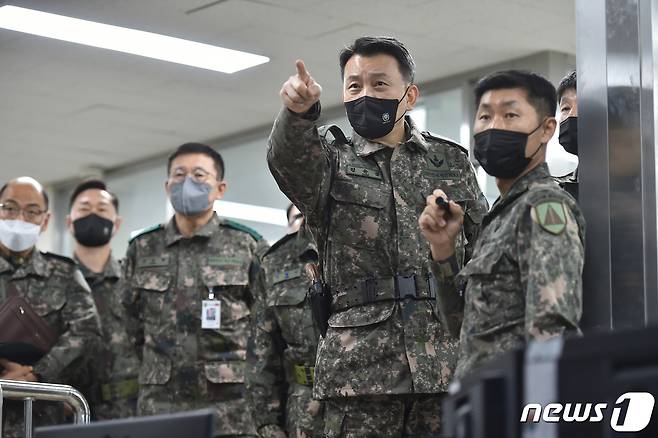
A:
(374, 289)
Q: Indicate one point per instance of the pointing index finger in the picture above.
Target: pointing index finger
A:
(301, 70)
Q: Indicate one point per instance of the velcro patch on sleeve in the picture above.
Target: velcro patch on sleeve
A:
(551, 216)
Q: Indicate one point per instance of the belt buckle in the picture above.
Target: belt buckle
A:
(304, 374)
(405, 286)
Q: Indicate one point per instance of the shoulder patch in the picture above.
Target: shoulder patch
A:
(144, 231)
(550, 215)
(240, 227)
(451, 142)
(60, 257)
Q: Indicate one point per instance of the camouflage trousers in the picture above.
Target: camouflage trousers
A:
(233, 415)
(117, 409)
(304, 416)
(44, 414)
(417, 416)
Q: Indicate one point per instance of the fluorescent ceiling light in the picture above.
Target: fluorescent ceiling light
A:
(121, 39)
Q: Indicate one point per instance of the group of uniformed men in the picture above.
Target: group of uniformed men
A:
(426, 282)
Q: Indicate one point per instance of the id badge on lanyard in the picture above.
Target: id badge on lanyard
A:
(211, 314)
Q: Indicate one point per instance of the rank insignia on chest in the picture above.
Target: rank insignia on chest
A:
(550, 215)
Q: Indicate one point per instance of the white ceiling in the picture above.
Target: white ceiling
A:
(66, 108)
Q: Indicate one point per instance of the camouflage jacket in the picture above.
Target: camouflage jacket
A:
(362, 201)
(168, 276)
(524, 281)
(283, 340)
(569, 183)
(57, 291)
(114, 383)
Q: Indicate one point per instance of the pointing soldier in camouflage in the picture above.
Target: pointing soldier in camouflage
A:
(93, 220)
(55, 289)
(190, 294)
(284, 340)
(524, 279)
(386, 359)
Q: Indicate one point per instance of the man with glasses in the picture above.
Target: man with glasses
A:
(54, 288)
(189, 295)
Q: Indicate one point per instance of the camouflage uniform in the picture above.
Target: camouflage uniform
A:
(569, 183)
(56, 290)
(113, 392)
(524, 280)
(283, 343)
(185, 367)
(385, 352)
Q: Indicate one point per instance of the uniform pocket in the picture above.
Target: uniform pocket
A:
(495, 295)
(152, 285)
(287, 299)
(225, 372)
(361, 316)
(155, 368)
(225, 381)
(228, 286)
(357, 212)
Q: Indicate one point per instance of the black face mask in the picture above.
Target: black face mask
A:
(93, 230)
(569, 135)
(502, 153)
(372, 117)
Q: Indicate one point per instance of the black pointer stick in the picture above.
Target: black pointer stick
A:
(442, 203)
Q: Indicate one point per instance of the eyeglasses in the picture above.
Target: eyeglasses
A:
(198, 174)
(11, 210)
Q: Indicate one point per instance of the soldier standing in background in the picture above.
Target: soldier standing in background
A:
(189, 292)
(93, 220)
(284, 340)
(55, 289)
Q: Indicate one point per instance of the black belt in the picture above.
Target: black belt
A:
(374, 289)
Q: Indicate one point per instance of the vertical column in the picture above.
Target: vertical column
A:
(617, 161)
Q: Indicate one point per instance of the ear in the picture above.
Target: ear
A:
(412, 96)
(117, 224)
(222, 187)
(69, 223)
(44, 224)
(548, 129)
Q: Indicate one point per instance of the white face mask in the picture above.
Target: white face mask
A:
(18, 235)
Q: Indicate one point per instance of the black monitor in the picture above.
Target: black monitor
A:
(192, 424)
(601, 368)
(485, 403)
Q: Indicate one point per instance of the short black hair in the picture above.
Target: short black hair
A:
(540, 91)
(92, 184)
(567, 83)
(46, 199)
(370, 46)
(199, 148)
